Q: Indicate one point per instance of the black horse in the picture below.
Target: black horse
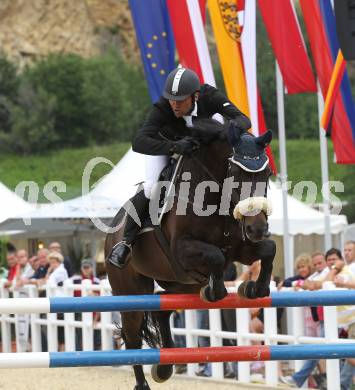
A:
(219, 215)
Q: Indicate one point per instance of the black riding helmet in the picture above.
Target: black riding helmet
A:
(180, 84)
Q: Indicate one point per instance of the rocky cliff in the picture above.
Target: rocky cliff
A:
(31, 29)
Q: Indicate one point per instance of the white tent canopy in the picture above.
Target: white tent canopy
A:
(303, 219)
(12, 205)
(108, 195)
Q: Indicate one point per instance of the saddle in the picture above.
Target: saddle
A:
(169, 173)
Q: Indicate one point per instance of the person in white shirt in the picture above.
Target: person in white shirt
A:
(349, 255)
(56, 273)
(321, 271)
(25, 271)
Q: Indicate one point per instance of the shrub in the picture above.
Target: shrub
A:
(115, 98)
(61, 77)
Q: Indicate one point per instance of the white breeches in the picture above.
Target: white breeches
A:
(153, 166)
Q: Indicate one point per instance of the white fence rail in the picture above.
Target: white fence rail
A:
(29, 331)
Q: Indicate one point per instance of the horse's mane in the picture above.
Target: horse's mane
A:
(208, 130)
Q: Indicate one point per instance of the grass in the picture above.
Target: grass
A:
(65, 165)
(303, 160)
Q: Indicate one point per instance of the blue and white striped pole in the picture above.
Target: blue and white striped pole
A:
(171, 302)
(176, 355)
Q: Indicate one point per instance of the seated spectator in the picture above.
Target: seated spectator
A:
(56, 273)
(25, 271)
(12, 263)
(56, 247)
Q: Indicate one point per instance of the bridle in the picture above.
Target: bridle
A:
(234, 202)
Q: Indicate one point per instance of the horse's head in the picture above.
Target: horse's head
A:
(250, 169)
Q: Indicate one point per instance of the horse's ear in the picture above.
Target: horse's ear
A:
(234, 133)
(264, 139)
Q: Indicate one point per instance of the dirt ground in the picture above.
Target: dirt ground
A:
(102, 378)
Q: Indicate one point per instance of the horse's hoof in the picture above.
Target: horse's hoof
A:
(143, 386)
(262, 291)
(161, 373)
(252, 290)
(209, 295)
(247, 290)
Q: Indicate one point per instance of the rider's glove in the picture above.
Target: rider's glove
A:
(185, 146)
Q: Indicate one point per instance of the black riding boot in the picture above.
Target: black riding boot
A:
(121, 250)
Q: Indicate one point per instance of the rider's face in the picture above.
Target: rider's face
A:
(182, 107)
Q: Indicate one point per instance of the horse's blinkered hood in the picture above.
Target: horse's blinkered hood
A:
(249, 151)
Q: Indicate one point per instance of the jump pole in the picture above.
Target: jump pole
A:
(176, 355)
(172, 302)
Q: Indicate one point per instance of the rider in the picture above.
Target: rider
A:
(167, 131)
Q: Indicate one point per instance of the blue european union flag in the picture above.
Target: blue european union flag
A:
(156, 41)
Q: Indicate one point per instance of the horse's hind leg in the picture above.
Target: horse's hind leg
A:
(132, 323)
(161, 373)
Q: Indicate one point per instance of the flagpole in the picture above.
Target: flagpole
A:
(325, 173)
(288, 260)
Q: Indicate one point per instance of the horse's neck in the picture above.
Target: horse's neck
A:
(215, 158)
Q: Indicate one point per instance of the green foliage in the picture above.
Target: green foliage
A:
(115, 98)
(61, 76)
(3, 252)
(9, 80)
(69, 101)
(32, 122)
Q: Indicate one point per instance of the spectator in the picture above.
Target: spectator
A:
(56, 247)
(303, 271)
(56, 273)
(87, 272)
(321, 269)
(12, 267)
(24, 271)
(34, 262)
(349, 255)
(38, 277)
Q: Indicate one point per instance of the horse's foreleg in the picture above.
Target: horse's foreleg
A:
(161, 373)
(207, 259)
(265, 251)
(132, 323)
